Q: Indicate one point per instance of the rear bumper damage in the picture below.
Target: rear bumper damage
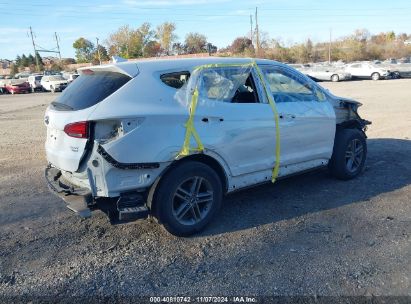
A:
(128, 206)
(76, 198)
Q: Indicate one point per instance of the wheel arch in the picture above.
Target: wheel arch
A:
(206, 159)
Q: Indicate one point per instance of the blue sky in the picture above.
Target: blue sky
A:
(220, 20)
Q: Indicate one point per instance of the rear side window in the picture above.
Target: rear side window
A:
(175, 80)
(89, 89)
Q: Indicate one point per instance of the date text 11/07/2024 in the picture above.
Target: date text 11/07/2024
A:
(234, 299)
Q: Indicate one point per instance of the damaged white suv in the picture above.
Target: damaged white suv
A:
(169, 138)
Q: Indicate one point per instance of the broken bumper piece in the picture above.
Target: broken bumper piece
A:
(76, 198)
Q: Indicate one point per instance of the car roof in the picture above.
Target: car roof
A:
(154, 65)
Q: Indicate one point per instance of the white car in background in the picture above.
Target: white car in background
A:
(53, 83)
(35, 82)
(171, 137)
(367, 70)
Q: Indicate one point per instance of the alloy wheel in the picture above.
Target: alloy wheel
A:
(354, 155)
(192, 200)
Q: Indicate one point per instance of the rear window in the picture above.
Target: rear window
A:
(89, 89)
(175, 80)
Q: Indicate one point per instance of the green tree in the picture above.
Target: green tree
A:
(195, 43)
(166, 36)
(103, 55)
(24, 61)
(18, 60)
(40, 61)
(84, 50)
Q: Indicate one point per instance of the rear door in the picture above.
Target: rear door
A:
(307, 120)
(66, 119)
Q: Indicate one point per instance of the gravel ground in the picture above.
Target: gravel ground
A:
(307, 235)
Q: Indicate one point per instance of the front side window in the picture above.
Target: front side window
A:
(232, 84)
(287, 87)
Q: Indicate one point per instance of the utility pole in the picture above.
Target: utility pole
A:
(35, 52)
(257, 33)
(98, 52)
(58, 46)
(329, 49)
(251, 29)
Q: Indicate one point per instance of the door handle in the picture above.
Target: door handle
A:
(208, 119)
(286, 116)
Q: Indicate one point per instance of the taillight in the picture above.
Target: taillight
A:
(77, 129)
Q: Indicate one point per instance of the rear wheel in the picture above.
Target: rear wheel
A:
(375, 76)
(187, 198)
(335, 78)
(349, 154)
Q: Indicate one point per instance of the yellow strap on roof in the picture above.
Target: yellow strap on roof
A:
(191, 131)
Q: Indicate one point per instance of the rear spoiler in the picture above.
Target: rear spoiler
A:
(126, 68)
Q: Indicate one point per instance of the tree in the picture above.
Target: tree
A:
(24, 61)
(103, 55)
(152, 49)
(241, 45)
(18, 60)
(40, 61)
(84, 50)
(195, 43)
(166, 36)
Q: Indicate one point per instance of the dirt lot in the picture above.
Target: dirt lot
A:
(308, 235)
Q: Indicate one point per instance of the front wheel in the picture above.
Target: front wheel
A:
(335, 78)
(375, 76)
(187, 198)
(349, 154)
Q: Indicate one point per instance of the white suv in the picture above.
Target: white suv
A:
(171, 137)
(53, 83)
(367, 70)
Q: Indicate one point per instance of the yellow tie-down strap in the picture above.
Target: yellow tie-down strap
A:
(191, 131)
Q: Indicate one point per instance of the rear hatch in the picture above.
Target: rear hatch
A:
(66, 119)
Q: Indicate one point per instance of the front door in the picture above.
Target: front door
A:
(307, 120)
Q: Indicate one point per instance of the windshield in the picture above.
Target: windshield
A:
(56, 78)
(90, 89)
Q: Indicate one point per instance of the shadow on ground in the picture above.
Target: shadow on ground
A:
(388, 168)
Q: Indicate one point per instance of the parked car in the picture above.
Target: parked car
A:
(17, 87)
(72, 77)
(35, 82)
(124, 132)
(367, 70)
(325, 73)
(53, 83)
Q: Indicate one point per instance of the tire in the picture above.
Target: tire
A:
(344, 163)
(375, 76)
(176, 202)
(335, 78)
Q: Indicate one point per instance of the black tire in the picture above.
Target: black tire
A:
(375, 76)
(167, 199)
(342, 165)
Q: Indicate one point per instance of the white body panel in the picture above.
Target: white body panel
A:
(240, 137)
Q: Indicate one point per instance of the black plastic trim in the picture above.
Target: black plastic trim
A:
(125, 166)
